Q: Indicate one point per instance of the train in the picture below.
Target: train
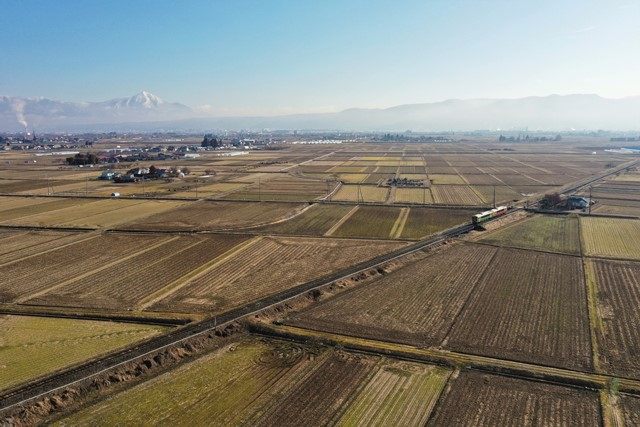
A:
(488, 215)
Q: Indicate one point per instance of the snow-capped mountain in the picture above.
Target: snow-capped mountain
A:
(147, 112)
(42, 113)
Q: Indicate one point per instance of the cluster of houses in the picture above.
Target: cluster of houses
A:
(137, 174)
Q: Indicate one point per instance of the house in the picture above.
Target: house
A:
(578, 202)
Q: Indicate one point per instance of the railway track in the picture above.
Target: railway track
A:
(66, 378)
(58, 381)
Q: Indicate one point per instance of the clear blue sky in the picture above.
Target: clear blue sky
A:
(271, 56)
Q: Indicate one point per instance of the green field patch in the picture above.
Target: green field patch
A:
(369, 222)
(34, 346)
(541, 232)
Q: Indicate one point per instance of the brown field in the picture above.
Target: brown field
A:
(315, 221)
(127, 282)
(287, 188)
(630, 408)
(206, 215)
(369, 222)
(37, 206)
(266, 266)
(482, 399)
(530, 307)
(367, 193)
(413, 195)
(616, 207)
(25, 276)
(455, 195)
(423, 222)
(416, 305)
(437, 179)
(610, 237)
(618, 324)
(554, 233)
(502, 192)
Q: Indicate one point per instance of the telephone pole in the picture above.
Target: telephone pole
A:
(590, 189)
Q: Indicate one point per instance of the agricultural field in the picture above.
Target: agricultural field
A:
(259, 382)
(286, 188)
(617, 319)
(364, 193)
(315, 221)
(369, 222)
(412, 195)
(131, 280)
(415, 305)
(530, 307)
(263, 267)
(503, 194)
(475, 398)
(610, 237)
(31, 347)
(456, 195)
(17, 208)
(422, 222)
(616, 207)
(209, 215)
(28, 275)
(97, 213)
(438, 179)
(553, 233)
(630, 408)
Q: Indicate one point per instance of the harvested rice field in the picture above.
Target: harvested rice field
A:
(260, 382)
(134, 279)
(262, 267)
(209, 215)
(616, 317)
(361, 193)
(611, 237)
(31, 347)
(553, 233)
(315, 221)
(475, 398)
(370, 222)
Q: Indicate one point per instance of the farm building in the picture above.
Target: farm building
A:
(578, 202)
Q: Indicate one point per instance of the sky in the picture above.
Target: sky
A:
(239, 57)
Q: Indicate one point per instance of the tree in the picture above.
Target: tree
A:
(210, 141)
(550, 201)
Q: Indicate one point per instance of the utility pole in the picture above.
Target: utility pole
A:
(86, 185)
(590, 188)
(259, 190)
(196, 188)
(494, 196)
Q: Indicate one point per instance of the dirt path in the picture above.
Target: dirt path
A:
(182, 281)
(341, 221)
(398, 226)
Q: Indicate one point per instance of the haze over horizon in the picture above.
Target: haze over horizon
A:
(253, 58)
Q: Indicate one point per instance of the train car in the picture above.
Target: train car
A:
(488, 215)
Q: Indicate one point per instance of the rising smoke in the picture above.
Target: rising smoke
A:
(18, 108)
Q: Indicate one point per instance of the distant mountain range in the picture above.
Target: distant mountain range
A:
(147, 112)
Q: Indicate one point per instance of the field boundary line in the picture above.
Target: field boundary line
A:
(177, 284)
(96, 270)
(595, 321)
(398, 226)
(529, 371)
(541, 251)
(472, 187)
(341, 221)
(92, 235)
